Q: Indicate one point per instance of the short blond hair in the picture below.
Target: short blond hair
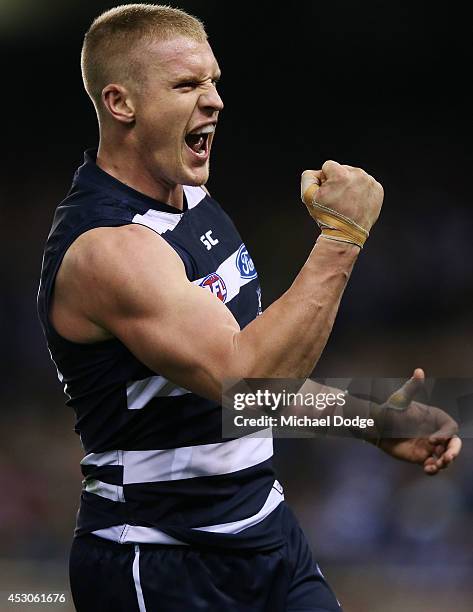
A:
(110, 52)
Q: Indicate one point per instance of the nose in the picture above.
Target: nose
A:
(211, 100)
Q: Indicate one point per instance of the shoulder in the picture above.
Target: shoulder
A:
(131, 240)
(112, 258)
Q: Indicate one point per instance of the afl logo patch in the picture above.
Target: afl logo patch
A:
(245, 264)
(214, 283)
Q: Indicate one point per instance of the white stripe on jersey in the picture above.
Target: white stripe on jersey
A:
(273, 500)
(158, 220)
(139, 393)
(104, 489)
(127, 534)
(140, 535)
(194, 195)
(161, 221)
(188, 461)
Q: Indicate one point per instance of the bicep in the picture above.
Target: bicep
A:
(188, 340)
(179, 330)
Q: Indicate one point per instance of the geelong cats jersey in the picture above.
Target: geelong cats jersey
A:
(156, 467)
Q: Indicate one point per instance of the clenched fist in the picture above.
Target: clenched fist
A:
(344, 201)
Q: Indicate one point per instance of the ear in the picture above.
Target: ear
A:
(117, 101)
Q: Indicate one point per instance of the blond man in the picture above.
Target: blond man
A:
(149, 299)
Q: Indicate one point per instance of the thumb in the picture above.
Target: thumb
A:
(401, 398)
(310, 183)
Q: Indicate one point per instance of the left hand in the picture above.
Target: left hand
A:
(418, 433)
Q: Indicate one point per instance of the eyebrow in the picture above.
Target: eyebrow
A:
(192, 77)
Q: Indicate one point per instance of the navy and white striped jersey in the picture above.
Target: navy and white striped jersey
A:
(157, 469)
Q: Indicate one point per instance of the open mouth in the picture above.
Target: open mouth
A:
(198, 141)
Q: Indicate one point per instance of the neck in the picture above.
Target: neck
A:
(125, 165)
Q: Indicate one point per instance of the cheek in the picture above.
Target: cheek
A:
(162, 126)
(159, 135)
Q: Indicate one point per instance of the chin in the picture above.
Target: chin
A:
(196, 177)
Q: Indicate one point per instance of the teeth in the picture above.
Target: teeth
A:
(207, 129)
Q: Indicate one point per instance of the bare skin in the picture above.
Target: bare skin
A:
(142, 129)
(404, 428)
(436, 445)
(110, 286)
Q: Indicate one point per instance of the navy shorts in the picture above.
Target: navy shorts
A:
(110, 577)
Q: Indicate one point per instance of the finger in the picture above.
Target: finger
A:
(310, 183)
(453, 449)
(403, 396)
(441, 460)
(419, 373)
(331, 166)
(441, 463)
(431, 460)
(446, 432)
(440, 449)
(430, 466)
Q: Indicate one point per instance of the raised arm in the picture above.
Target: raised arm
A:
(129, 283)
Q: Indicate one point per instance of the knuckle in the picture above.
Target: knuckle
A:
(373, 181)
(331, 166)
(349, 172)
(362, 175)
(356, 175)
(355, 170)
(341, 172)
(309, 175)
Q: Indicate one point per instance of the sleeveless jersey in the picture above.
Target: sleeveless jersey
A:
(156, 468)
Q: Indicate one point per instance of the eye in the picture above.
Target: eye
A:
(185, 84)
(194, 84)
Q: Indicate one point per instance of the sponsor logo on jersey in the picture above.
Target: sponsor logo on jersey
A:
(245, 264)
(208, 240)
(215, 283)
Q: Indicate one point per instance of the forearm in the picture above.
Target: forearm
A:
(360, 418)
(309, 406)
(289, 337)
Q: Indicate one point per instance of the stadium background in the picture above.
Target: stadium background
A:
(380, 85)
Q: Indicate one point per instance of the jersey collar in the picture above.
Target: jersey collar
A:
(89, 172)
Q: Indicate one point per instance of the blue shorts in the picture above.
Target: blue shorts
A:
(110, 577)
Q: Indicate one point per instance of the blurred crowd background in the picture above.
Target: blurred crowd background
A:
(381, 85)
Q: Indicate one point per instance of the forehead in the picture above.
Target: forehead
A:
(182, 56)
